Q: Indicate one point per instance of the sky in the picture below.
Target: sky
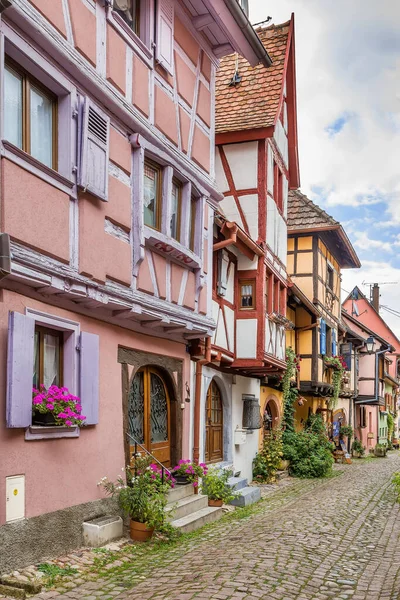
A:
(348, 111)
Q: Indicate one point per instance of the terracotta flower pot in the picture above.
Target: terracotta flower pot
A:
(140, 532)
(212, 502)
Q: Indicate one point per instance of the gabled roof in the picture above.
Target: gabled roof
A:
(255, 101)
(304, 216)
(357, 294)
(303, 213)
(369, 332)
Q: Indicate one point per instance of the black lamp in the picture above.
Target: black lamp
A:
(370, 344)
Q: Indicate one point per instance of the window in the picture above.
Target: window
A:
(329, 276)
(152, 195)
(176, 209)
(48, 357)
(363, 417)
(192, 222)
(30, 121)
(247, 298)
(129, 11)
(278, 187)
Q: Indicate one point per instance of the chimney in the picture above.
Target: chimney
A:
(375, 297)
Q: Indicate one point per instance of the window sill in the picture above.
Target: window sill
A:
(37, 432)
(130, 37)
(171, 248)
(34, 166)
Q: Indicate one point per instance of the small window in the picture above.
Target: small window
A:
(129, 11)
(30, 112)
(192, 222)
(329, 278)
(152, 195)
(176, 209)
(48, 353)
(278, 187)
(247, 298)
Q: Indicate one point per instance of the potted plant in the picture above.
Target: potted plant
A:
(187, 472)
(346, 431)
(56, 407)
(215, 485)
(380, 450)
(358, 450)
(142, 497)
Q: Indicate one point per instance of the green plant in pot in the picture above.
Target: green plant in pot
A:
(346, 431)
(215, 485)
(142, 497)
(357, 448)
(380, 450)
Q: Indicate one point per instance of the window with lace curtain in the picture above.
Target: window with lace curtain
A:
(129, 11)
(247, 296)
(48, 360)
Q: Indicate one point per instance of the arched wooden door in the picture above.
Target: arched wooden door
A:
(149, 414)
(214, 425)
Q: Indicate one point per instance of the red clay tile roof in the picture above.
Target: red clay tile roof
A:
(304, 214)
(253, 103)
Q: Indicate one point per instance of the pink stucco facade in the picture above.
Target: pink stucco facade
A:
(87, 260)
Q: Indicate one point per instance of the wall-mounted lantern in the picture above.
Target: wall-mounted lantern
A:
(370, 344)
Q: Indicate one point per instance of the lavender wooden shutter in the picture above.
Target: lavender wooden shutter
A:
(165, 35)
(94, 134)
(89, 377)
(21, 333)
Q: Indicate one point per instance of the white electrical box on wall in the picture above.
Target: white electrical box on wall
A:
(15, 498)
(239, 437)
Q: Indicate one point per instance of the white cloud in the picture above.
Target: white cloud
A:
(348, 62)
(363, 241)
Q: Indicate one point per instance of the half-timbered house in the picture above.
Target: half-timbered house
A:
(256, 164)
(108, 196)
(318, 249)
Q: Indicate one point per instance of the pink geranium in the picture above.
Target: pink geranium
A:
(64, 406)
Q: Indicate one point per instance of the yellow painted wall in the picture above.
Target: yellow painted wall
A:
(305, 342)
(305, 369)
(267, 394)
(306, 285)
(304, 243)
(301, 413)
(303, 318)
(290, 263)
(290, 334)
(304, 263)
(290, 244)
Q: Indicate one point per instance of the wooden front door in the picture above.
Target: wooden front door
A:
(214, 425)
(149, 414)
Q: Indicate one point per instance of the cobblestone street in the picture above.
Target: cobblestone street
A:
(335, 538)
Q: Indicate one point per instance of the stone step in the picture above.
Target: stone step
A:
(186, 506)
(248, 495)
(237, 483)
(179, 492)
(12, 592)
(197, 519)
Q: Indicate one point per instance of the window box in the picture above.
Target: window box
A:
(36, 432)
(171, 248)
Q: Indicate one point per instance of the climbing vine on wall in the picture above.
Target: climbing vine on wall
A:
(338, 366)
(289, 393)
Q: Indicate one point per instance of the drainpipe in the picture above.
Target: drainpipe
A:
(249, 33)
(233, 228)
(197, 400)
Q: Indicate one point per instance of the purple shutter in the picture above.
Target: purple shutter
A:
(89, 377)
(94, 132)
(165, 35)
(21, 334)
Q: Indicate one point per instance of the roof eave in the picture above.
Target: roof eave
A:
(248, 31)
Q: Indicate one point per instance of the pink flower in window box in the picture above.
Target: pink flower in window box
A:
(56, 406)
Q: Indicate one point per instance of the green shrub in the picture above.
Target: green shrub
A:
(266, 462)
(309, 451)
(358, 447)
(396, 483)
(215, 485)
